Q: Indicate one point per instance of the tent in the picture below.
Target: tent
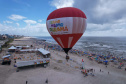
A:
(12, 49)
(124, 59)
(44, 52)
(93, 54)
(105, 62)
(19, 47)
(7, 56)
(96, 59)
(28, 50)
(115, 62)
(100, 61)
(50, 46)
(25, 47)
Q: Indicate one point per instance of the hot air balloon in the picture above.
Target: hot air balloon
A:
(66, 26)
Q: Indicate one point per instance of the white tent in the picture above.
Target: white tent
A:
(12, 47)
(26, 47)
(44, 52)
(6, 56)
(25, 50)
(32, 62)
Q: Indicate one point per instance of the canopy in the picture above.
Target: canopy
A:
(25, 50)
(32, 62)
(44, 52)
(26, 46)
(19, 46)
(106, 61)
(12, 47)
(115, 61)
(6, 56)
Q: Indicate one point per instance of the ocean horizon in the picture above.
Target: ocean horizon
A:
(96, 44)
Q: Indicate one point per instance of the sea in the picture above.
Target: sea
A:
(98, 45)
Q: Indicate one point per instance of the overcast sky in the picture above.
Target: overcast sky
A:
(28, 17)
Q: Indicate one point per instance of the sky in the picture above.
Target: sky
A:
(28, 17)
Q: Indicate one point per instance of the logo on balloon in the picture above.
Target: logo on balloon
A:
(57, 26)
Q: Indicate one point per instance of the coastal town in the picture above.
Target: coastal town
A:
(27, 57)
(5, 38)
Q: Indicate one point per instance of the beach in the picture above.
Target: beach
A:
(59, 73)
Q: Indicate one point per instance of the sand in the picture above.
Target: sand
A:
(60, 73)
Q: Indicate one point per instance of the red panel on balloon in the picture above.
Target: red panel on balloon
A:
(66, 12)
(67, 40)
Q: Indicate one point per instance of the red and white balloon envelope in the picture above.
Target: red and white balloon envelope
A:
(66, 26)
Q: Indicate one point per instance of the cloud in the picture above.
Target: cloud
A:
(39, 20)
(7, 21)
(5, 29)
(97, 11)
(104, 17)
(105, 29)
(62, 3)
(102, 11)
(17, 24)
(16, 17)
(38, 28)
(29, 30)
(30, 22)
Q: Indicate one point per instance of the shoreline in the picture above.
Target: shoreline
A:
(79, 52)
(107, 48)
(64, 72)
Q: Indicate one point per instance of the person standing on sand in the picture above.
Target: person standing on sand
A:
(26, 82)
(46, 81)
(100, 70)
(67, 58)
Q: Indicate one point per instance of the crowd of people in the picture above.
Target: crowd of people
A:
(100, 58)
